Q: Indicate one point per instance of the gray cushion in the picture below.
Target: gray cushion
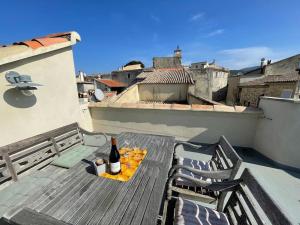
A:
(190, 213)
(196, 164)
(74, 155)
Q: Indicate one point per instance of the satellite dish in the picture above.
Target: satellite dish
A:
(21, 82)
(99, 95)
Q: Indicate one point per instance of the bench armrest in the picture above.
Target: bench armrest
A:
(219, 174)
(83, 131)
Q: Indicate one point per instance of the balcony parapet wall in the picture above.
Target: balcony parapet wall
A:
(193, 107)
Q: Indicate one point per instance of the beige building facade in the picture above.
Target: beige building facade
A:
(210, 81)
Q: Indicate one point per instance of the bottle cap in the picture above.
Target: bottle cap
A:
(99, 162)
(113, 141)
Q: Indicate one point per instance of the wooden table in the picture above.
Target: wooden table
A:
(80, 197)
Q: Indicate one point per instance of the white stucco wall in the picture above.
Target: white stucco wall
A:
(130, 95)
(53, 105)
(198, 126)
(277, 135)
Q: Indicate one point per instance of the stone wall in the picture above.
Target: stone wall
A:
(250, 95)
(285, 66)
(167, 62)
(203, 83)
(275, 89)
(125, 76)
(232, 90)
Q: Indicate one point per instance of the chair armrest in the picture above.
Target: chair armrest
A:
(198, 182)
(222, 186)
(219, 174)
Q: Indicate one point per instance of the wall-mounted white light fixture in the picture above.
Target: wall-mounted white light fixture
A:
(21, 82)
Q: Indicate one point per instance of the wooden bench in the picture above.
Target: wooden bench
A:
(248, 203)
(223, 165)
(36, 152)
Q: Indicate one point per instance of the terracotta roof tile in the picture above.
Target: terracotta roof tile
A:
(112, 83)
(45, 41)
(50, 41)
(31, 44)
(166, 76)
(109, 94)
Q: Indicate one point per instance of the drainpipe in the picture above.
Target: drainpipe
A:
(297, 90)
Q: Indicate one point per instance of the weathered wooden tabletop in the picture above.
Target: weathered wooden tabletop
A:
(80, 197)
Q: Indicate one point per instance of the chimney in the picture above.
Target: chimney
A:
(81, 76)
(177, 52)
(263, 63)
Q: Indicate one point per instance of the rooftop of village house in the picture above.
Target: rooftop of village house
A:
(31, 178)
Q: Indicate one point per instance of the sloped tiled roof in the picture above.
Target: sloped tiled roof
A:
(166, 76)
(282, 78)
(112, 83)
(272, 79)
(257, 82)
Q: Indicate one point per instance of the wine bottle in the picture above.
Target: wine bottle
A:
(114, 157)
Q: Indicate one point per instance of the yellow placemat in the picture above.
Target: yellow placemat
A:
(130, 159)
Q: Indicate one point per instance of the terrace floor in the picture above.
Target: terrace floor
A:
(282, 185)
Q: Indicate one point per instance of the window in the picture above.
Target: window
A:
(286, 93)
(128, 75)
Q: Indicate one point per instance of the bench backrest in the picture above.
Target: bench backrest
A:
(37, 151)
(250, 204)
(225, 157)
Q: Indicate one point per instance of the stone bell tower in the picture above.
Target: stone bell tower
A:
(177, 52)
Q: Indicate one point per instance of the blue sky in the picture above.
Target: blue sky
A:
(235, 33)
